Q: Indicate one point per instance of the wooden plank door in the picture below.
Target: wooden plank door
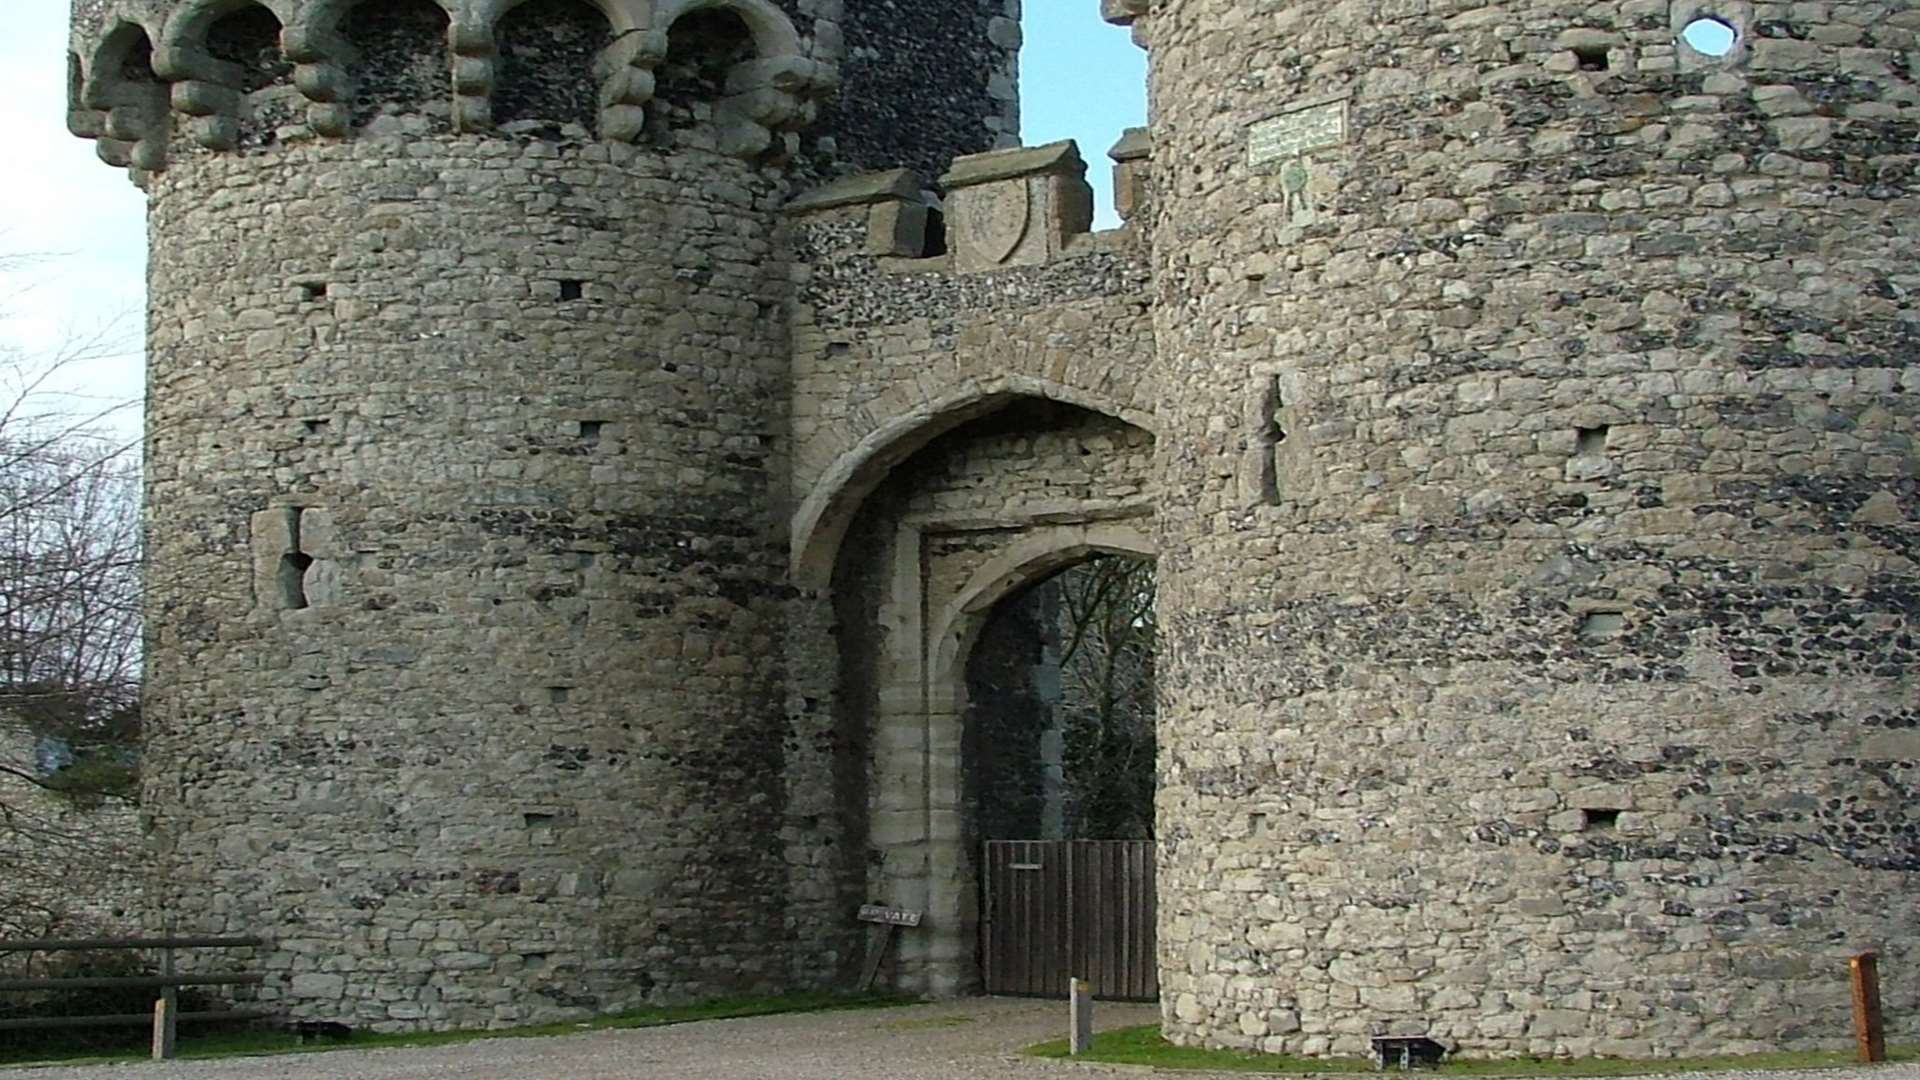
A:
(1058, 910)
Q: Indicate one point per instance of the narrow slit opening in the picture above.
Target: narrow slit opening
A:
(293, 579)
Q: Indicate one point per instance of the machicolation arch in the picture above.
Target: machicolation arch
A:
(704, 46)
(550, 52)
(402, 60)
(243, 74)
(120, 101)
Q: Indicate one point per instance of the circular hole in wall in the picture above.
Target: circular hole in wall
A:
(1710, 37)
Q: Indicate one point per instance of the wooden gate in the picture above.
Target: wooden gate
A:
(1056, 910)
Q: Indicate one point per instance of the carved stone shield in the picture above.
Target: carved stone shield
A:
(994, 219)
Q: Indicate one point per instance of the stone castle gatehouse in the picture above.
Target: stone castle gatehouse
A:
(585, 437)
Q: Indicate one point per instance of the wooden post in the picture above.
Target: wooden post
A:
(165, 1017)
(877, 955)
(888, 922)
(1868, 1025)
(1080, 1012)
(166, 1013)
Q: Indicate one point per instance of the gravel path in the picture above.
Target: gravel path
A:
(977, 1039)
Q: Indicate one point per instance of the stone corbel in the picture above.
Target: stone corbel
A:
(128, 121)
(769, 101)
(629, 86)
(83, 122)
(475, 61)
(205, 92)
(322, 61)
(1130, 13)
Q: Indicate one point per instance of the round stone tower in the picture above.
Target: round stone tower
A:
(466, 417)
(1537, 531)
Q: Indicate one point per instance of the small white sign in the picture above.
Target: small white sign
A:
(1298, 131)
(887, 916)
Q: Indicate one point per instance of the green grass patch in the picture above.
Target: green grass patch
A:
(256, 1042)
(1144, 1046)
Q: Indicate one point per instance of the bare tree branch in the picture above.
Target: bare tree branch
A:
(70, 665)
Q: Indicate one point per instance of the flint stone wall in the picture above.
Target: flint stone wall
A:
(73, 867)
(522, 459)
(1537, 526)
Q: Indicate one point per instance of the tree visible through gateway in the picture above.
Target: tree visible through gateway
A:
(1058, 779)
(1059, 738)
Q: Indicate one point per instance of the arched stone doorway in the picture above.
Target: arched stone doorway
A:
(1058, 728)
(981, 512)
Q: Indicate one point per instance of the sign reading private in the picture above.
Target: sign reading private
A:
(887, 916)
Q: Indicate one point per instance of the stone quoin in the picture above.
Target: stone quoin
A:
(585, 438)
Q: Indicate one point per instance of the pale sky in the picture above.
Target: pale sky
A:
(82, 218)
(85, 221)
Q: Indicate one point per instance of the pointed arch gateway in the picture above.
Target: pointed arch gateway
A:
(819, 526)
(929, 528)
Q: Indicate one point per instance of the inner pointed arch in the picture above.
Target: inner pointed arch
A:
(1038, 556)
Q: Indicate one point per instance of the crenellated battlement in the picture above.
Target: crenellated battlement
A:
(1024, 207)
(151, 78)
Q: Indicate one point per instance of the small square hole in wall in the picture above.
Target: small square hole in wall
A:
(315, 426)
(1601, 819)
(558, 695)
(1602, 626)
(1590, 441)
(312, 291)
(590, 431)
(1591, 57)
(572, 290)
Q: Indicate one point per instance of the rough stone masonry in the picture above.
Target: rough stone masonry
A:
(585, 438)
